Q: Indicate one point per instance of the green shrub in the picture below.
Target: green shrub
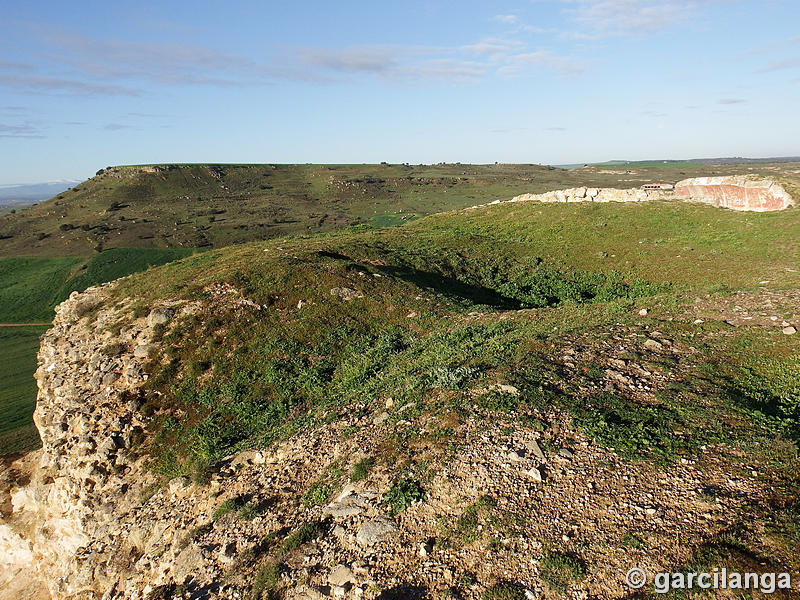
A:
(403, 494)
(317, 494)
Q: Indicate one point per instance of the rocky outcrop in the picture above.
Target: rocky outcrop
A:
(66, 520)
(734, 192)
(739, 192)
(587, 194)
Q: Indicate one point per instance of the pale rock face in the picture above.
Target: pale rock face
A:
(85, 431)
(738, 192)
(734, 192)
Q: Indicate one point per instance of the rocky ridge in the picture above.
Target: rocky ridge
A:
(95, 523)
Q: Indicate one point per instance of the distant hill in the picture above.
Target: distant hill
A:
(15, 195)
(213, 205)
(734, 160)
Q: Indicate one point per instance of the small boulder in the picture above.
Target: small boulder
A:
(533, 447)
(789, 330)
(159, 316)
(143, 350)
(535, 474)
(652, 344)
(346, 294)
(341, 575)
(374, 531)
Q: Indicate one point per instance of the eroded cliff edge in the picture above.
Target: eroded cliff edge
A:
(64, 530)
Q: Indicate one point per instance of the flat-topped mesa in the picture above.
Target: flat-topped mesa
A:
(738, 192)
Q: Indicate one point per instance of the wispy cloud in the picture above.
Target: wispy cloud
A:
(564, 66)
(778, 65)
(60, 85)
(493, 46)
(506, 19)
(25, 130)
(555, 128)
(79, 65)
(606, 18)
(115, 126)
(731, 101)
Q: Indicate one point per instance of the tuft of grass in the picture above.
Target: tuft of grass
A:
(631, 540)
(361, 469)
(227, 507)
(561, 570)
(266, 582)
(504, 591)
(317, 494)
(302, 535)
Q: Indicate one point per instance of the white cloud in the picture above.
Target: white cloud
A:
(602, 18)
(507, 19)
(563, 65)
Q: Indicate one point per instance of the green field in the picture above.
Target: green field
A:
(18, 346)
(31, 287)
(29, 290)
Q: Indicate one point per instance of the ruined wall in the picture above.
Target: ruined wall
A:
(736, 192)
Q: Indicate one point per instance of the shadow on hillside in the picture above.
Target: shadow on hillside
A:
(436, 283)
(452, 287)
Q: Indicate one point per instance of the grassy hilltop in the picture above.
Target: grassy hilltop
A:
(128, 218)
(513, 318)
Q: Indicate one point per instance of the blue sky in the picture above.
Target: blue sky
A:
(84, 85)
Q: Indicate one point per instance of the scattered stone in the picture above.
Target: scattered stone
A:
(348, 505)
(535, 474)
(504, 389)
(652, 344)
(159, 316)
(643, 312)
(789, 330)
(346, 294)
(178, 483)
(374, 531)
(565, 453)
(143, 350)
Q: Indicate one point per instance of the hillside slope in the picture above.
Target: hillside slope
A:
(520, 397)
(192, 206)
